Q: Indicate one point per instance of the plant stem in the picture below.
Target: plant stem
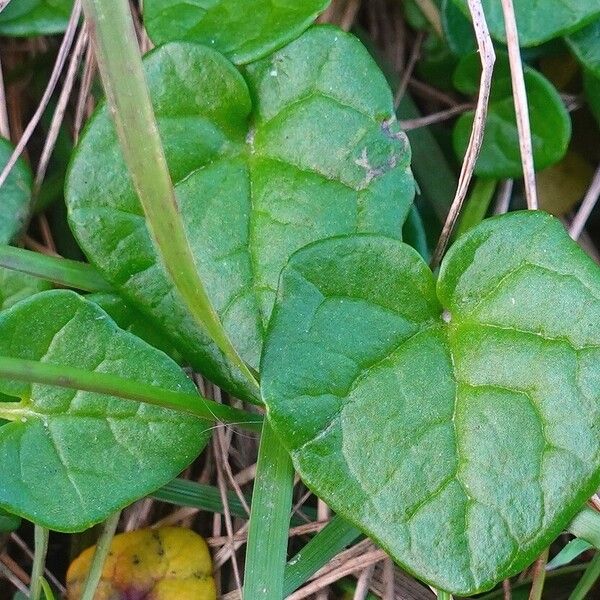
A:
(588, 579)
(123, 77)
(41, 535)
(443, 595)
(102, 548)
(70, 273)
(586, 525)
(113, 385)
(477, 204)
(269, 520)
(539, 576)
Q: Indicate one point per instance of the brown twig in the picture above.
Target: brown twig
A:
(520, 100)
(409, 68)
(437, 117)
(487, 57)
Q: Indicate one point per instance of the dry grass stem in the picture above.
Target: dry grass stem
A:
(504, 196)
(520, 99)
(348, 567)
(61, 107)
(388, 578)
(54, 77)
(4, 122)
(487, 57)
(587, 205)
(434, 118)
(364, 583)
(14, 580)
(84, 98)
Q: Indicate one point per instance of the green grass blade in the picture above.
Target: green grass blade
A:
(331, 540)
(105, 383)
(569, 553)
(102, 550)
(588, 579)
(269, 520)
(123, 77)
(586, 525)
(205, 497)
(69, 273)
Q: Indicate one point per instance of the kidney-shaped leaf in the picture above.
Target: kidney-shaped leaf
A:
(319, 155)
(500, 156)
(243, 30)
(15, 286)
(71, 458)
(458, 426)
(540, 21)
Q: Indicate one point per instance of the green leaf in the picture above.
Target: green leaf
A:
(243, 30)
(456, 423)
(96, 453)
(8, 522)
(540, 21)
(15, 286)
(15, 195)
(585, 44)
(320, 154)
(130, 319)
(500, 156)
(23, 18)
(458, 30)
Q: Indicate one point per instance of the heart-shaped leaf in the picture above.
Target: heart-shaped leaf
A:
(35, 17)
(71, 458)
(319, 154)
(540, 21)
(458, 426)
(243, 30)
(500, 156)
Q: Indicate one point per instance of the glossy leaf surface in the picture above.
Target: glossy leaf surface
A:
(35, 17)
(15, 286)
(540, 21)
(500, 156)
(15, 195)
(243, 30)
(72, 458)
(130, 319)
(455, 422)
(169, 563)
(319, 154)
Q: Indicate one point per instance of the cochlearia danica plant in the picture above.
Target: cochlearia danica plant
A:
(249, 210)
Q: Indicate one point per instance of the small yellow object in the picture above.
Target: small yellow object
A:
(170, 563)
